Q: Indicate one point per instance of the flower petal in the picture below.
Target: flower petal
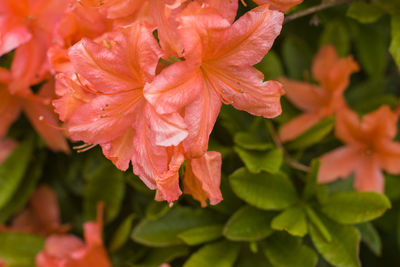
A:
(369, 176)
(381, 123)
(120, 150)
(9, 109)
(339, 163)
(281, 5)
(389, 156)
(298, 125)
(13, 34)
(348, 127)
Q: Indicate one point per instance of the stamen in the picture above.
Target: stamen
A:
(84, 147)
(244, 3)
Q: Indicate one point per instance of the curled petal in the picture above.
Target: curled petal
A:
(339, 163)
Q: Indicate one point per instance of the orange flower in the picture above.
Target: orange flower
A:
(70, 251)
(369, 149)
(42, 216)
(333, 75)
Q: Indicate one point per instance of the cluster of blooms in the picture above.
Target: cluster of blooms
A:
(142, 79)
(60, 249)
(369, 141)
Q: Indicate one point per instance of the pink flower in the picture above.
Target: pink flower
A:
(218, 68)
(104, 104)
(70, 251)
(317, 102)
(281, 5)
(369, 149)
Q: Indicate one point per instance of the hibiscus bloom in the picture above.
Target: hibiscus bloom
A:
(218, 68)
(369, 149)
(281, 5)
(68, 250)
(333, 75)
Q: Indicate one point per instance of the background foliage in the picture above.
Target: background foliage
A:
(273, 213)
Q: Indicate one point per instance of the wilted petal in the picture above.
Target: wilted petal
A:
(339, 163)
(207, 170)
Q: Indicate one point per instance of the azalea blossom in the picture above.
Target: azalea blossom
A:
(218, 68)
(281, 5)
(318, 101)
(61, 250)
(37, 108)
(41, 216)
(369, 149)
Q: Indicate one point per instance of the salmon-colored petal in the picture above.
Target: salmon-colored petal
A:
(104, 118)
(381, 123)
(120, 150)
(175, 87)
(298, 125)
(6, 147)
(169, 129)
(389, 156)
(44, 204)
(192, 185)
(62, 245)
(207, 171)
(339, 163)
(10, 108)
(247, 41)
(369, 176)
(227, 9)
(44, 121)
(281, 5)
(200, 117)
(245, 89)
(304, 96)
(12, 34)
(348, 127)
(323, 63)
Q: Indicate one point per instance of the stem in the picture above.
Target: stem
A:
(315, 9)
(290, 161)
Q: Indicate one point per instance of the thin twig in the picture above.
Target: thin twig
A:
(315, 9)
(290, 161)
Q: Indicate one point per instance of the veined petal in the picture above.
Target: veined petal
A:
(304, 96)
(200, 117)
(105, 118)
(248, 40)
(388, 155)
(298, 125)
(281, 5)
(120, 150)
(207, 170)
(245, 89)
(175, 87)
(339, 163)
(169, 129)
(369, 176)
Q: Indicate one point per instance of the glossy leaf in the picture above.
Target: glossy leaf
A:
(202, 234)
(248, 141)
(364, 12)
(263, 190)
(257, 161)
(395, 42)
(122, 233)
(293, 220)
(370, 236)
(20, 249)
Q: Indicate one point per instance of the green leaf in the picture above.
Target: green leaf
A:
(370, 237)
(336, 33)
(105, 185)
(318, 224)
(395, 42)
(392, 187)
(284, 250)
(297, 56)
(25, 189)
(158, 256)
(20, 249)
(342, 250)
(12, 170)
(249, 141)
(355, 207)
(271, 66)
(314, 134)
(249, 224)
(221, 254)
(253, 260)
(122, 233)
(364, 12)
(164, 230)
(263, 190)
(156, 209)
(293, 220)
(311, 186)
(257, 161)
(202, 234)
